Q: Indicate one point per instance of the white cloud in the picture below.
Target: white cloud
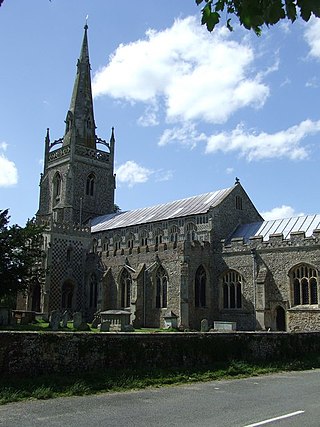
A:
(280, 212)
(229, 171)
(3, 146)
(312, 36)
(149, 118)
(131, 173)
(8, 171)
(163, 175)
(282, 144)
(185, 135)
(197, 75)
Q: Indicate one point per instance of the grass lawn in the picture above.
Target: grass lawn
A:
(47, 387)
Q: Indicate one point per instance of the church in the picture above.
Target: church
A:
(211, 256)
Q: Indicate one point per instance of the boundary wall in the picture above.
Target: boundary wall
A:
(32, 353)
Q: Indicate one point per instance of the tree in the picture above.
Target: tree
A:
(253, 14)
(20, 256)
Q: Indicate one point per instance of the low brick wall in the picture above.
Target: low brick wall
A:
(31, 353)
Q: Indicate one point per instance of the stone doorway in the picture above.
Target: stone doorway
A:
(280, 319)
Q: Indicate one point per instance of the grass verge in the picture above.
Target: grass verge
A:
(47, 387)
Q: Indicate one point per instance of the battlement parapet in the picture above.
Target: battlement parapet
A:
(296, 239)
(64, 227)
(161, 247)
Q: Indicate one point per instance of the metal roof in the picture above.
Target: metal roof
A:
(285, 226)
(176, 209)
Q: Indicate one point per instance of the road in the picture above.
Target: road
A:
(286, 399)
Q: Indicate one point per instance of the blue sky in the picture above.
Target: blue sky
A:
(191, 110)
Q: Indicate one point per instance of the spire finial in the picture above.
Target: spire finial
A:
(112, 139)
(237, 180)
(86, 25)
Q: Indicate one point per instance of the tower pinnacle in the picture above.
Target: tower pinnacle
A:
(80, 124)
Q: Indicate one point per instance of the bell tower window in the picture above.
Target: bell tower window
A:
(57, 183)
(90, 184)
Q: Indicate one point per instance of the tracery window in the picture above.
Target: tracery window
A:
(144, 238)
(93, 291)
(200, 287)
(90, 184)
(125, 288)
(304, 280)
(161, 288)
(158, 236)
(116, 242)
(191, 231)
(232, 289)
(130, 240)
(174, 232)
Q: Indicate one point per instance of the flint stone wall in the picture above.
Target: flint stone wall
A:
(31, 353)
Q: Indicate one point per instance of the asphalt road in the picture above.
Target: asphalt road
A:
(288, 399)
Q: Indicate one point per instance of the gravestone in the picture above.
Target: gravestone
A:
(204, 325)
(54, 320)
(96, 320)
(77, 319)
(64, 319)
(4, 316)
(104, 326)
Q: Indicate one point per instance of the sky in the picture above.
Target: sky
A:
(192, 110)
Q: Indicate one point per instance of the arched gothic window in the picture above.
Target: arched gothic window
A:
(130, 240)
(232, 290)
(161, 288)
(304, 283)
(125, 288)
(93, 291)
(57, 183)
(200, 287)
(144, 238)
(174, 232)
(67, 294)
(191, 231)
(90, 184)
(158, 236)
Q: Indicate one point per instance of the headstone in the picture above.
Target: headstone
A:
(4, 316)
(128, 328)
(104, 326)
(54, 320)
(83, 327)
(204, 325)
(96, 319)
(77, 319)
(64, 319)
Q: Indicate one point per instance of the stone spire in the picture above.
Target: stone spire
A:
(80, 125)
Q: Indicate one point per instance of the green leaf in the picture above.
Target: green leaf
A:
(291, 10)
(211, 20)
(219, 5)
(199, 2)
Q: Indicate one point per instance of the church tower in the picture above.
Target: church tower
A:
(77, 184)
(78, 179)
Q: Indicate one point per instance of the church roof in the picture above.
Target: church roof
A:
(306, 223)
(176, 209)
